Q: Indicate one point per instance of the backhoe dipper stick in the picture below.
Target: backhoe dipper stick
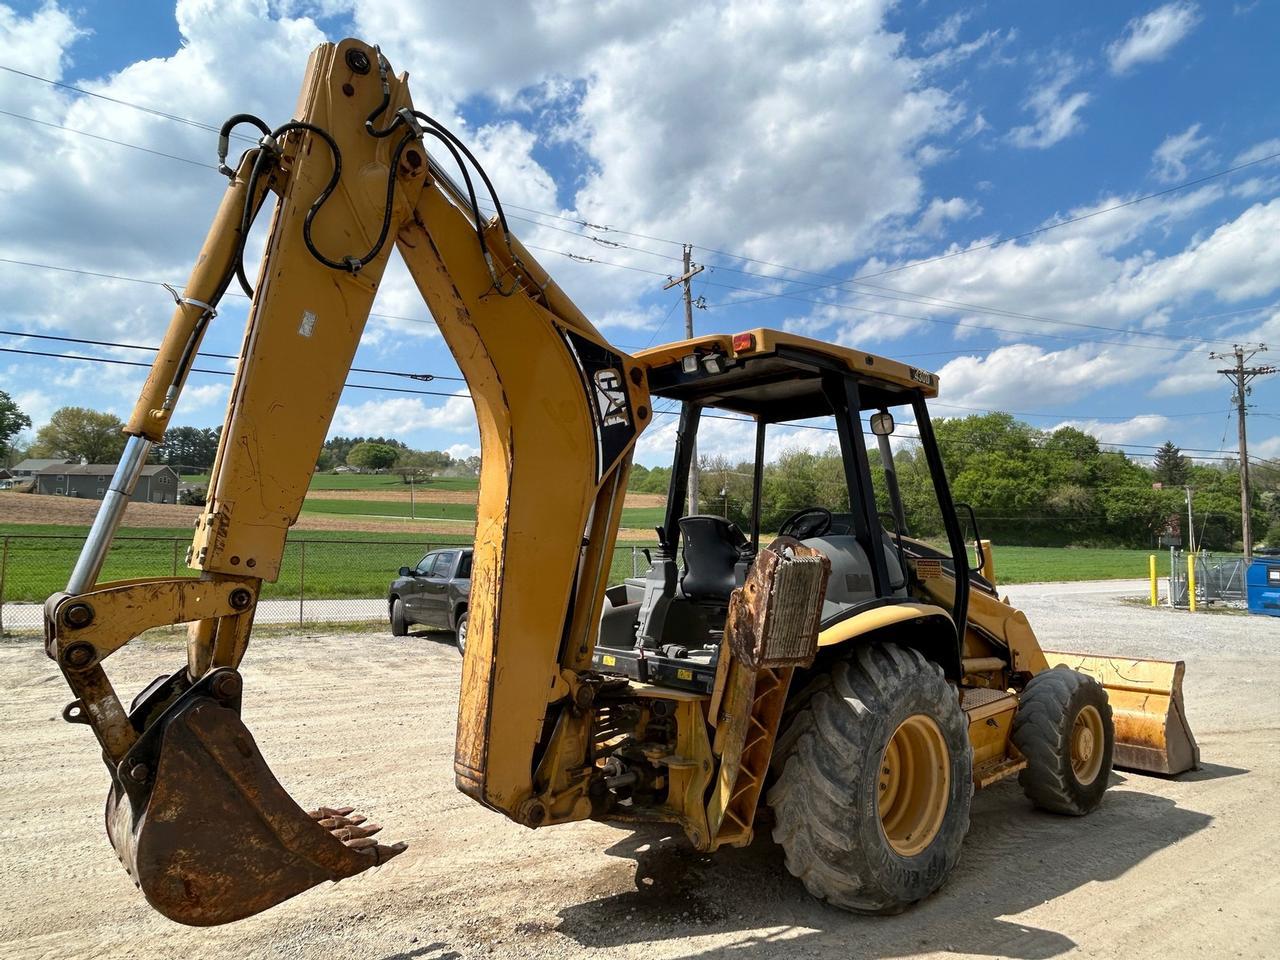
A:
(168, 373)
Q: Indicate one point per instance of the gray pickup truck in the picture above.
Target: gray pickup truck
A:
(434, 593)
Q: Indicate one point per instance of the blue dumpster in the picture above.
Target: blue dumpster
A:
(1262, 584)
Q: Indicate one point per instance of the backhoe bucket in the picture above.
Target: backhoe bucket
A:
(205, 829)
(1152, 734)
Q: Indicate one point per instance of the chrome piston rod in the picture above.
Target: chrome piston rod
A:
(119, 491)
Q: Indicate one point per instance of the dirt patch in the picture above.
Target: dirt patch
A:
(1165, 868)
(73, 511)
(427, 495)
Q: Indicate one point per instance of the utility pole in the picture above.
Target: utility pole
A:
(1240, 376)
(691, 270)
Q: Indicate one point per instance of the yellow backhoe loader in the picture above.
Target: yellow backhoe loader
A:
(854, 677)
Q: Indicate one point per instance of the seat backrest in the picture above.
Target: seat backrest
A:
(712, 548)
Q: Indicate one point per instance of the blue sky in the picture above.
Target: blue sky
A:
(797, 144)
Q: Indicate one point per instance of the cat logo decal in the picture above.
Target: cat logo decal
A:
(611, 397)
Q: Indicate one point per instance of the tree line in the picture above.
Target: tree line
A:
(80, 434)
(1026, 486)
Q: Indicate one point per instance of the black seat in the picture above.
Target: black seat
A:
(716, 555)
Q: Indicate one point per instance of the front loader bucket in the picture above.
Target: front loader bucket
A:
(1152, 734)
(205, 829)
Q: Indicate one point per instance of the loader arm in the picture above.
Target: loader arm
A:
(194, 813)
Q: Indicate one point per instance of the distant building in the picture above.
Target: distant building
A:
(29, 468)
(157, 484)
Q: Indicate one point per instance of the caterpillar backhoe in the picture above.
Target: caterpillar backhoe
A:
(852, 681)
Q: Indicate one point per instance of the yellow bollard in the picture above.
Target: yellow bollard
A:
(1154, 589)
(1191, 581)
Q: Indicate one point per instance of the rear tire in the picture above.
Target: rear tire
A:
(460, 633)
(399, 624)
(1063, 727)
(856, 830)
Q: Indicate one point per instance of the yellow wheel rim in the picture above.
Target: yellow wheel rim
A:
(914, 784)
(1086, 745)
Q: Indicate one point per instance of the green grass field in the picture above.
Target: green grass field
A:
(338, 564)
(390, 508)
(317, 564)
(1036, 564)
(367, 481)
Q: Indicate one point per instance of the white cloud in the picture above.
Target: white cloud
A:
(1056, 112)
(1171, 157)
(947, 32)
(461, 451)
(940, 212)
(1267, 148)
(730, 436)
(1144, 426)
(1150, 37)
(1237, 261)
(205, 396)
(401, 415)
(1006, 378)
(1084, 272)
(665, 160)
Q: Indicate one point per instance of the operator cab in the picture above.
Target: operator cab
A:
(815, 423)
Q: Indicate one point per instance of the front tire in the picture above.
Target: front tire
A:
(399, 623)
(460, 633)
(1063, 727)
(872, 802)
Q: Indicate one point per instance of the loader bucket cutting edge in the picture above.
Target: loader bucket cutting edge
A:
(208, 833)
(1152, 733)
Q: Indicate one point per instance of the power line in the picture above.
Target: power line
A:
(160, 283)
(425, 377)
(434, 393)
(902, 296)
(891, 293)
(1067, 416)
(216, 373)
(656, 273)
(118, 143)
(905, 296)
(124, 103)
(428, 377)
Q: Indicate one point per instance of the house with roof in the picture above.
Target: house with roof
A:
(30, 467)
(157, 483)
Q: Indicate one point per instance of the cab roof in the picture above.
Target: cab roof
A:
(777, 376)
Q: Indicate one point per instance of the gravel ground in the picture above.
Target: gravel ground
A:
(1184, 868)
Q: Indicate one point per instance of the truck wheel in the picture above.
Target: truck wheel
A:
(872, 802)
(1063, 727)
(460, 632)
(399, 625)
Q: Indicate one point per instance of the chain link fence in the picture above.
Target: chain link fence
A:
(321, 581)
(1219, 579)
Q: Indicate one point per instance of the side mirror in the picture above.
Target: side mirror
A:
(406, 572)
(882, 423)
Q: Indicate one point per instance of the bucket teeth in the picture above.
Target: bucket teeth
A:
(355, 832)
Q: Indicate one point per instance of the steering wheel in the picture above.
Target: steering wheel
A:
(806, 524)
